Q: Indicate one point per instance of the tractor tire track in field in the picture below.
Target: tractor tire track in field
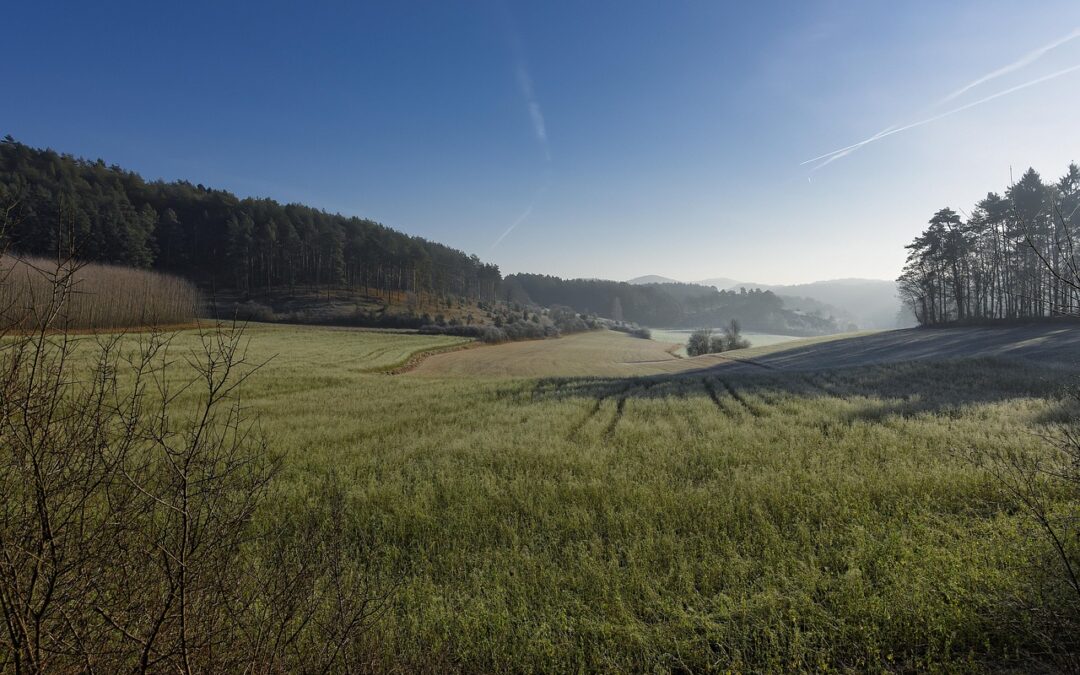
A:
(620, 406)
(693, 422)
(580, 424)
(752, 409)
(814, 384)
(594, 410)
(710, 389)
(413, 361)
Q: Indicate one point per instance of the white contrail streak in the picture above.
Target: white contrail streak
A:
(881, 134)
(523, 217)
(520, 220)
(837, 154)
(1022, 62)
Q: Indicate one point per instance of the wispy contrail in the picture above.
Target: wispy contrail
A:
(851, 148)
(520, 219)
(523, 217)
(535, 114)
(524, 78)
(1023, 61)
(829, 157)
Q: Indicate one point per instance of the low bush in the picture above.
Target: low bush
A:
(632, 329)
(508, 332)
(253, 311)
(703, 341)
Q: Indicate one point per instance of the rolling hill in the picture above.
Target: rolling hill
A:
(651, 279)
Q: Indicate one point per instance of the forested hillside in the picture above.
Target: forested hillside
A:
(214, 237)
(666, 304)
(256, 246)
(1012, 258)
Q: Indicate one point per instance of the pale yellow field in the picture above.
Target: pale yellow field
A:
(598, 353)
(601, 353)
(611, 354)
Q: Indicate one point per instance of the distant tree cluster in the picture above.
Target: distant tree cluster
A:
(630, 329)
(1012, 258)
(759, 309)
(666, 304)
(645, 304)
(704, 341)
(514, 322)
(216, 238)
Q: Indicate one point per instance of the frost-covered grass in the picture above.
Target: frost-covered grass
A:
(694, 521)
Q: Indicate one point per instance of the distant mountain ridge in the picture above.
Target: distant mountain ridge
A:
(651, 279)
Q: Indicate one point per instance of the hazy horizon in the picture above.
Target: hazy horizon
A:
(778, 144)
(755, 282)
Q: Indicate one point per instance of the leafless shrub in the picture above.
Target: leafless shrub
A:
(316, 590)
(129, 534)
(1044, 485)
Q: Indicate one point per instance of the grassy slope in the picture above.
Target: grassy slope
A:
(313, 306)
(606, 353)
(314, 351)
(598, 353)
(754, 521)
(594, 353)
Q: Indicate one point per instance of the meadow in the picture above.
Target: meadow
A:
(312, 351)
(681, 335)
(667, 521)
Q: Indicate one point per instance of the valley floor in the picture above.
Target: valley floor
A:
(607, 353)
(614, 508)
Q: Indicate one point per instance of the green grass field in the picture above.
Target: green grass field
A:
(294, 351)
(666, 522)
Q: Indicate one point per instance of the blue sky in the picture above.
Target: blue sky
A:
(611, 139)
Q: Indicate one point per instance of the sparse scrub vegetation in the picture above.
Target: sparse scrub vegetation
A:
(630, 329)
(491, 334)
(510, 323)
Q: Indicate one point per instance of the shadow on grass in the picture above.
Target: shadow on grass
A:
(1037, 343)
(871, 393)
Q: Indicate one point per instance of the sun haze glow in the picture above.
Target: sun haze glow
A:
(669, 139)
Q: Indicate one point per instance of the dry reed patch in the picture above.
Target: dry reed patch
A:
(102, 296)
